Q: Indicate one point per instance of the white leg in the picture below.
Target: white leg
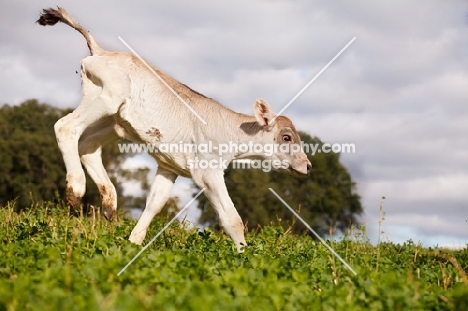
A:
(159, 194)
(89, 146)
(216, 192)
(68, 131)
(98, 102)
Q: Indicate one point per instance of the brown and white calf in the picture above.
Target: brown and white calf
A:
(123, 98)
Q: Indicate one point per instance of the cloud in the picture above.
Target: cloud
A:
(24, 83)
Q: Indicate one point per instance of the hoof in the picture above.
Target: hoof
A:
(137, 236)
(73, 200)
(241, 247)
(108, 213)
(75, 211)
(136, 241)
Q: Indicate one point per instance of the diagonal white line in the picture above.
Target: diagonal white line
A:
(161, 79)
(313, 231)
(314, 78)
(160, 232)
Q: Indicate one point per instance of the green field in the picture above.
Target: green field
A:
(49, 261)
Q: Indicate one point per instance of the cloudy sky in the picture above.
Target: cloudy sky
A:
(399, 92)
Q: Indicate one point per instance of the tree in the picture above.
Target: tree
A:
(326, 199)
(31, 165)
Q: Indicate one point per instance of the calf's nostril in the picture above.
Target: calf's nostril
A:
(308, 168)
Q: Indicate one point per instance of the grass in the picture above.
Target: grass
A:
(50, 261)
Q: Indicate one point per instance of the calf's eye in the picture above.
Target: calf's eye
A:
(287, 138)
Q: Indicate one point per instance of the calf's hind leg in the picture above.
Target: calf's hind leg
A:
(98, 102)
(90, 149)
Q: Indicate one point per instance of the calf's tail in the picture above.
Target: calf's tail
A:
(53, 16)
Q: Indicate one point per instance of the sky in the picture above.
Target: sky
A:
(399, 92)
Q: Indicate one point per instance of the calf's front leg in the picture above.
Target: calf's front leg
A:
(159, 194)
(217, 194)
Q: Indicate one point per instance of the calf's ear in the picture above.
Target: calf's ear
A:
(263, 113)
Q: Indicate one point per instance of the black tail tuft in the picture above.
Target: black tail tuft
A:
(49, 17)
(53, 16)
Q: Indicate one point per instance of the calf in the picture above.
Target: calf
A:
(124, 98)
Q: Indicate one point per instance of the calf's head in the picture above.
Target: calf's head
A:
(282, 133)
